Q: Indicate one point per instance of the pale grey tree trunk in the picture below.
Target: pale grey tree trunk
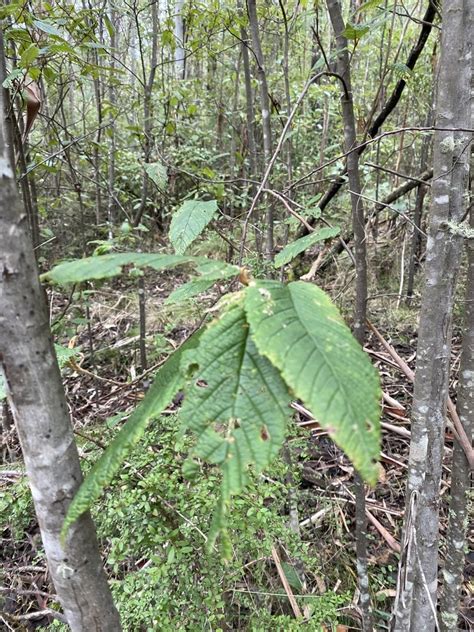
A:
(453, 572)
(36, 397)
(179, 55)
(360, 256)
(415, 607)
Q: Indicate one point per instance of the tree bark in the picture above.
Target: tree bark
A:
(266, 124)
(360, 256)
(418, 215)
(179, 55)
(36, 397)
(148, 83)
(453, 571)
(249, 109)
(112, 206)
(415, 607)
(352, 166)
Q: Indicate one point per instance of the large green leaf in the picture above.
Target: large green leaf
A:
(29, 55)
(189, 289)
(355, 31)
(167, 382)
(157, 172)
(301, 332)
(300, 245)
(235, 402)
(213, 269)
(64, 354)
(210, 271)
(107, 266)
(47, 27)
(189, 221)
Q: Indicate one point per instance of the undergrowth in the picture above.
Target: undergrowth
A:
(152, 524)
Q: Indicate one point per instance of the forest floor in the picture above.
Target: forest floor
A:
(103, 384)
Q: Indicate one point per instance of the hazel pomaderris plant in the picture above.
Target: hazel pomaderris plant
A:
(269, 344)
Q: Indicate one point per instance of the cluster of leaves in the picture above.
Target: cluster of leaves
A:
(271, 343)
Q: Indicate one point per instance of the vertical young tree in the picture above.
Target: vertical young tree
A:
(147, 82)
(453, 572)
(36, 397)
(112, 95)
(358, 225)
(415, 607)
(179, 54)
(265, 111)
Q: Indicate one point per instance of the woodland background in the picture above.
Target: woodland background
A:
(127, 117)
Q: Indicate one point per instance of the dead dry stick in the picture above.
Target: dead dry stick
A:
(388, 537)
(458, 429)
(392, 402)
(294, 606)
(299, 217)
(403, 432)
(314, 268)
(315, 519)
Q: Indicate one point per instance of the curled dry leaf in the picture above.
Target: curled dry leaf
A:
(32, 96)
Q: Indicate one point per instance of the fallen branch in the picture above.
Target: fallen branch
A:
(458, 429)
(294, 605)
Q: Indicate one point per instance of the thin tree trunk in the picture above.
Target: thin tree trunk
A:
(417, 216)
(250, 116)
(36, 396)
(179, 55)
(112, 201)
(234, 116)
(350, 141)
(266, 124)
(388, 107)
(250, 112)
(97, 159)
(29, 199)
(453, 572)
(142, 322)
(96, 155)
(415, 607)
(288, 142)
(147, 101)
(360, 308)
(286, 77)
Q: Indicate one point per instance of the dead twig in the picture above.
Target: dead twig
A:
(294, 605)
(458, 429)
